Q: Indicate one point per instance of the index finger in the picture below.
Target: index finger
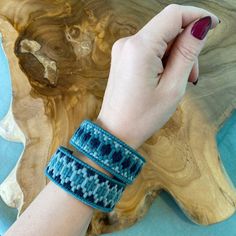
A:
(166, 25)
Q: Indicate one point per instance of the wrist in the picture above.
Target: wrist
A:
(92, 163)
(107, 151)
(119, 132)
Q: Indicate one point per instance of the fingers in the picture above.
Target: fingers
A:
(166, 25)
(195, 70)
(194, 73)
(184, 54)
(169, 45)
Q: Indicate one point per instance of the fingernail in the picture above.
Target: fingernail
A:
(201, 27)
(195, 82)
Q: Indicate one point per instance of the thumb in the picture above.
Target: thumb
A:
(184, 53)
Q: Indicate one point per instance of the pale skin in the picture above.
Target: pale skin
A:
(140, 97)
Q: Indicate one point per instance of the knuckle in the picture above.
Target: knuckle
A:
(189, 53)
(132, 41)
(172, 7)
(117, 46)
(133, 44)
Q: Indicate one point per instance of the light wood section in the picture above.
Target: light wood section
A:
(59, 55)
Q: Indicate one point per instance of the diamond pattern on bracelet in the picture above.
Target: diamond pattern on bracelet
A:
(108, 151)
(83, 181)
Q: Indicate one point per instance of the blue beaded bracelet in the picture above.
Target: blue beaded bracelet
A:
(107, 151)
(82, 181)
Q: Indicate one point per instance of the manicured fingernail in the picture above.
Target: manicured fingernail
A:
(195, 82)
(201, 27)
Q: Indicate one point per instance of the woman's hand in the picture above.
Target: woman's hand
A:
(141, 93)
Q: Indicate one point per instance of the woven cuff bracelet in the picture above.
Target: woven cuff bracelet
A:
(82, 181)
(107, 151)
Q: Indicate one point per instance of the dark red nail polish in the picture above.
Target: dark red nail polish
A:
(201, 27)
(195, 82)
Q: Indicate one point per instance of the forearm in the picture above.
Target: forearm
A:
(55, 212)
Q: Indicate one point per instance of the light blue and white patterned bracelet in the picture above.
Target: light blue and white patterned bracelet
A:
(82, 181)
(107, 151)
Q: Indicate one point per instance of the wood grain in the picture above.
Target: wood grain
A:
(59, 55)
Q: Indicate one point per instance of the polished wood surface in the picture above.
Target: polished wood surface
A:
(59, 56)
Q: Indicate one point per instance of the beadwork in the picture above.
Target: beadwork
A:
(108, 151)
(82, 181)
